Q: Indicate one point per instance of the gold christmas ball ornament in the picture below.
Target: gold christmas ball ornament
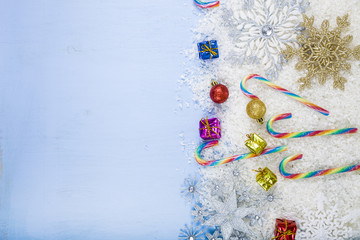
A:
(256, 109)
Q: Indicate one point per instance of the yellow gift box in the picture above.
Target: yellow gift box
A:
(255, 143)
(266, 178)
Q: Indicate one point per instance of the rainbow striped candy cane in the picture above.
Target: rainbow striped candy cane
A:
(314, 173)
(283, 90)
(209, 144)
(303, 134)
(202, 4)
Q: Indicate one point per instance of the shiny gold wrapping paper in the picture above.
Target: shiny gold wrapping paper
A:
(266, 178)
(255, 143)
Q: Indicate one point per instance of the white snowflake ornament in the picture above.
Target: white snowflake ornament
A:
(214, 236)
(238, 235)
(228, 216)
(269, 199)
(191, 189)
(244, 194)
(265, 28)
(323, 223)
(257, 219)
(200, 212)
(190, 233)
(217, 189)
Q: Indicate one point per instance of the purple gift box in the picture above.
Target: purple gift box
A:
(209, 128)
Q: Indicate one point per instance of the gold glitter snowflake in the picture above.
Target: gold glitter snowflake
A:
(323, 53)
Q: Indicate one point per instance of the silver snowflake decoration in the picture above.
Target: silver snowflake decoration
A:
(268, 199)
(217, 189)
(244, 194)
(248, 4)
(191, 189)
(228, 216)
(265, 28)
(200, 212)
(190, 233)
(214, 236)
(265, 236)
(233, 175)
(325, 222)
(256, 219)
(239, 235)
(236, 172)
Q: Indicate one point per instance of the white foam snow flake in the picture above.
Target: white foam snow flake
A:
(325, 222)
(339, 216)
(264, 28)
(229, 216)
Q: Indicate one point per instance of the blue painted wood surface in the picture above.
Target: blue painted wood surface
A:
(89, 135)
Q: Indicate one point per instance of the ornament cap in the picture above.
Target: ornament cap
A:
(260, 120)
(214, 83)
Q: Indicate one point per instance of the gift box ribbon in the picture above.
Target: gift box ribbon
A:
(209, 49)
(205, 121)
(287, 232)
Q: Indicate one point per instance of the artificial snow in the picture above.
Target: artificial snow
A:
(295, 199)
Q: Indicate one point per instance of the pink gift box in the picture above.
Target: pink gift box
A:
(209, 128)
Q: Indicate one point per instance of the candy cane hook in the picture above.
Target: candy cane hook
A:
(314, 173)
(303, 134)
(203, 4)
(280, 89)
(209, 144)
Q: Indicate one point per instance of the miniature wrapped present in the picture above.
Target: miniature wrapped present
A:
(255, 143)
(285, 229)
(208, 49)
(265, 178)
(209, 128)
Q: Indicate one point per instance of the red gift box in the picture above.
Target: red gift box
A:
(285, 229)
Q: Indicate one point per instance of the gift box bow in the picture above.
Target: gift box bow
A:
(286, 232)
(209, 129)
(206, 48)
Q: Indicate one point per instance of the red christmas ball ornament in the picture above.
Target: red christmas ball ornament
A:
(219, 93)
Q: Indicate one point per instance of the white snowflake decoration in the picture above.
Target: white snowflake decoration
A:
(324, 223)
(238, 25)
(191, 189)
(200, 212)
(217, 188)
(244, 194)
(190, 233)
(266, 27)
(214, 236)
(269, 199)
(257, 219)
(238, 235)
(229, 216)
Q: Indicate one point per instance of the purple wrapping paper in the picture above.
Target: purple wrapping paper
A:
(209, 128)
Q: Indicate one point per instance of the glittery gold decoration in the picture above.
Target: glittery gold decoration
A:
(255, 143)
(213, 83)
(256, 109)
(323, 53)
(265, 178)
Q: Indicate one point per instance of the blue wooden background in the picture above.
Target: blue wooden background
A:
(89, 121)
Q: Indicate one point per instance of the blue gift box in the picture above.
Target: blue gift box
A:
(208, 49)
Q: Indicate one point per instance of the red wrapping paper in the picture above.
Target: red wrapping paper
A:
(285, 229)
